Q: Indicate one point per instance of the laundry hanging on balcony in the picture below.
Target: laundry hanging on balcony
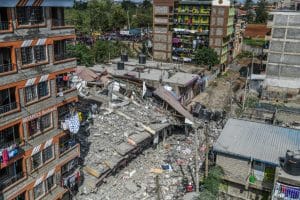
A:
(74, 123)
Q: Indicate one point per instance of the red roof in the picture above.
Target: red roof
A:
(256, 30)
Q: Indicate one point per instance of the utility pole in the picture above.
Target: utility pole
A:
(206, 150)
(158, 188)
(197, 160)
(245, 91)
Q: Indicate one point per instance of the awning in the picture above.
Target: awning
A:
(8, 3)
(30, 2)
(26, 43)
(58, 3)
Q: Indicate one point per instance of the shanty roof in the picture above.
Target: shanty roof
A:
(256, 30)
(257, 141)
(182, 79)
(172, 101)
(45, 3)
(86, 74)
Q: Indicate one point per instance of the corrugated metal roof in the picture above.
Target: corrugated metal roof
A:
(8, 3)
(58, 3)
(258, 141)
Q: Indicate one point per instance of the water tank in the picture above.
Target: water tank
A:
(120, 65)
(124, 57)
(142, 59)
(291, 163)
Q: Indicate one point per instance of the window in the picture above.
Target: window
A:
(50, 183)
(36, 92)
(39, 125)
(11, 174)
(26, 55)
(58, 16)
(61, 50)
(30, 15)
(5, 60)
(43, 89)
(36, 160)
(47, 153)
(30, 93)
(42, 157)
(39, 190)
(4, 22)
(8, 100)
(21, 196)
(34, 54)
(10, 136)
(63, 82)
(40, 53)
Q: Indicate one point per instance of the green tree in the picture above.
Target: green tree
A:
(82, 53)
(261, 12)
(248, 5)
(119, 17)
(206, 56)
(211, 184)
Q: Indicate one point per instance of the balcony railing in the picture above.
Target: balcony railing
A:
(8, 107)
(5, 68)
(66, 145)
(4, 26)
(5, 182)
(63, 56)
(62, 23)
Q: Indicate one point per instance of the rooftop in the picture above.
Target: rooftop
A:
(182, 79)
(256, 30)
(258, 141)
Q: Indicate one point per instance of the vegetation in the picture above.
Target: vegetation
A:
(103, 16)
(206, 56)
(254, 42)
(100, 52)
(248, 8)
(261, 12)
(211, 184)
(245, 54)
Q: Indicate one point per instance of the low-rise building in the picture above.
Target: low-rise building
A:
(250, 154)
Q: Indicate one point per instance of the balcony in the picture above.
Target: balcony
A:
(11, 174)
(62, 23)
(66, 143)
(62, 50)
(8, 100)
(5, 60)
(5, 26)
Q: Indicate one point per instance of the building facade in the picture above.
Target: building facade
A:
(36, 93)
(189, 25)
(283, 56)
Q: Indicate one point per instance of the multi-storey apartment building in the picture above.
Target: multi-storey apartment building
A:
(283, 55)
(37, 158)
(182, 26)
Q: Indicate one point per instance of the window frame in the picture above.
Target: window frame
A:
(41, 155)
(54, 183)
(39, 124)
(41, 161)
(42, 194)
(33, 55)
(29, 10)
(38, 98)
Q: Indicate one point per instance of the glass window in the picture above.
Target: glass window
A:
(10, 136)
(46, 121)
(39, 190)
(26, 55)
(40, 53)
(50, 183)
(21, 196)
(43, 89)
(34, 126)
(36, 160)
(30, 93)
(30, 15)
(47, 153)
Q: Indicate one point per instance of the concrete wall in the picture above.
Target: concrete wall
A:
(283, 64)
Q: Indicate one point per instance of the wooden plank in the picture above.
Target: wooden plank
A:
(91, 171)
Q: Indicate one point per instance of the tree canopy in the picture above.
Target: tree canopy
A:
(261, 12)
(206, 56)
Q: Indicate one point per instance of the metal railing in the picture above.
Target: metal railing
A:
(61, 23)
(8, 107)
(5, 182)
(63, 56)
(67, 145)
(6, 68)
(4, 25)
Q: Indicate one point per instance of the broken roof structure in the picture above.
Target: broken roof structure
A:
(182, 79)
(257, 141)
(173, 102)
